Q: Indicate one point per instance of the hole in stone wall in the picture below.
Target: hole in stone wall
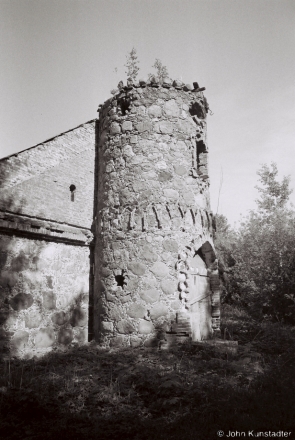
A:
(202, 159)
(120, 279)
(72, 189)
(198, 110)
(124, 104)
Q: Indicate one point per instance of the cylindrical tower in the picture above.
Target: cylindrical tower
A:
(156, 278)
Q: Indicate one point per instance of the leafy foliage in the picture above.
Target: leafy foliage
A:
(132, 64)
(260, 256)
(274, 194)
(162, 71)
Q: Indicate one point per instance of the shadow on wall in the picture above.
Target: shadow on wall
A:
(44, 285)
(8, 202)
(43, 302)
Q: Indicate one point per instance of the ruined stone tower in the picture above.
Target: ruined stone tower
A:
(155, 276)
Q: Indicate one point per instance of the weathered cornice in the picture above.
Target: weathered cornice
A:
(43, 229)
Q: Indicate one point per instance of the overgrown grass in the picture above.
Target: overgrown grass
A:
(187, 393)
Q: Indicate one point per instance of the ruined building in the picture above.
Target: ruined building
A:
(106, 230)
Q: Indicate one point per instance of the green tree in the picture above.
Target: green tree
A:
(274, 194)
(162, 71)
(132, 64)
(225, 239)
(262, 278)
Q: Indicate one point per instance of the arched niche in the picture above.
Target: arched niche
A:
(197, 291)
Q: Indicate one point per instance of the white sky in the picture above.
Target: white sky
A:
(58, 61)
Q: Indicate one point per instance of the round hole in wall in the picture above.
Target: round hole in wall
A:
(72, 188)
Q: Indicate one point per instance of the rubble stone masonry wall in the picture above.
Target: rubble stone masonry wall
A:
(153, 215)
(107, 229)
(44, 289)
(44, 243)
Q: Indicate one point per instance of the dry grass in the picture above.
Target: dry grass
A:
(187, 393)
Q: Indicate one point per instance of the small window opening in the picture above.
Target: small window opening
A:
(125, 104)
(202, 159)
(72, 189)
(120, 280)
(198, 110)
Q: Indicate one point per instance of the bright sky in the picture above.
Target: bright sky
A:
(59, 60)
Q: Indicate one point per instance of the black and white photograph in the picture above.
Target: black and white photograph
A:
(147, 219)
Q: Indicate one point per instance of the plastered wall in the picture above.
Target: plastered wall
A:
(36, 182)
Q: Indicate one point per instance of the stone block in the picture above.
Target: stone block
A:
(145, 327)
(79, 317)
(188, 197)
(126, 126)
(159, 309)
(170, 245)
(181, 170)
(127, 151)
(21, 301)
(159, 269)
(81, 335)
(135, 341)
(155, 111)
(33, 319)
(132, 284)
(117, 341)
(20, 339)
(143, 126)
(115, 128)
(8, 278)
(45, 338)
(105, 272)
(164, 176)
(150, 296)
(185, 126)
(171, 194)
(169, 287)
(106, 327)
(137, 268)
(160, 164)
(125, 327)
(176, 305)
(115, 314)
(165, 127)
(20, 263)
(59, 318)
(148, 254)
(49, 300)
(171, 108)
(136, 311)
(65, 336)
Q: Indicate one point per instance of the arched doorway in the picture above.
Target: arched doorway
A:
(199, 299)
